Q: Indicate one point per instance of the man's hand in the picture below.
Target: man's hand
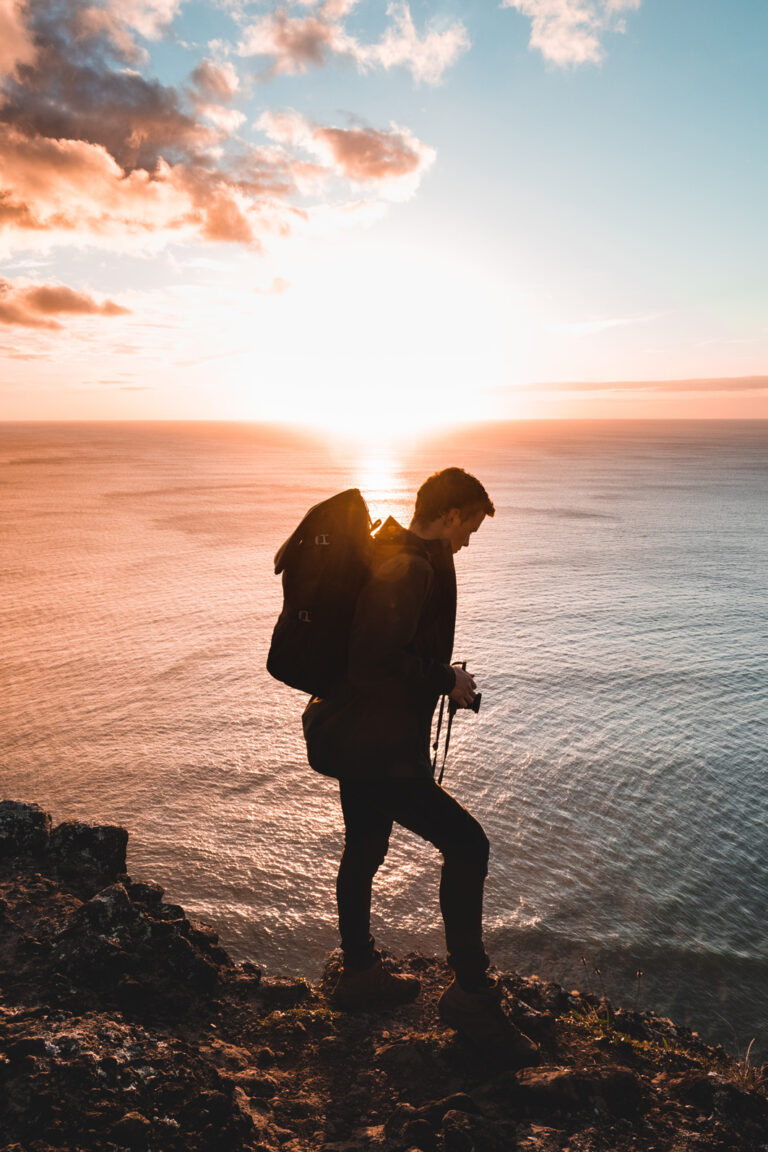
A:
(464, 690)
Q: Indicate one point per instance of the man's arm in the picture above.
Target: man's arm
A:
(386, 619)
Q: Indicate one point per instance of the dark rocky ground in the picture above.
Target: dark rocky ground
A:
(124, 1025)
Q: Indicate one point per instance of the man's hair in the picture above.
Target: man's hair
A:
(451, 488)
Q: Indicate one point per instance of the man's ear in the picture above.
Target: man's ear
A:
(452, 517)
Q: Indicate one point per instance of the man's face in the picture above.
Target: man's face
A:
(458, 531)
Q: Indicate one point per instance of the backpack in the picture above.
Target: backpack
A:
(324, 564)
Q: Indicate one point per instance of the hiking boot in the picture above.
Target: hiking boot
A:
(374, 988)
(480, 1018)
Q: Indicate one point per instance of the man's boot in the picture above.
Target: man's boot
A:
(374, 988)
(480, 1018)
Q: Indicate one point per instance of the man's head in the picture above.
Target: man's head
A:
(451, 505)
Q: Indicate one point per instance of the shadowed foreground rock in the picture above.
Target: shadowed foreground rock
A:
(124, 1025)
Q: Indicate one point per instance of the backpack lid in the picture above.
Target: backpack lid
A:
(348, 505)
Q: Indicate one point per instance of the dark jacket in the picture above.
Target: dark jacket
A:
(376, 724)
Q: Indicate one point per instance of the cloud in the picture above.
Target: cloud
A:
(16, 46)
(229, 120)
(36, 305)
(428, 56)
(367, 156)
(393, 161)
(92, 152)
(72, 91)
(212, 87)
(570, 31)
(714, 384)
(120, 19)
(214, 81)
(73, 188)
(12, 353)
(296, 43)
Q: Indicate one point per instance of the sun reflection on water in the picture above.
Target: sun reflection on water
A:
(378, 472)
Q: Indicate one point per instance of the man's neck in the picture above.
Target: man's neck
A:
(433, 531)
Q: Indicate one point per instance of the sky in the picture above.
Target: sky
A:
(379, 215)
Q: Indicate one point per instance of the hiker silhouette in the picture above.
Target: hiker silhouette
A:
(372, 729)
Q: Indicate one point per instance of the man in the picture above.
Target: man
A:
(373, 733)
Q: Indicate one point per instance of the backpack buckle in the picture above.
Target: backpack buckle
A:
(305, 616)
(323, 538)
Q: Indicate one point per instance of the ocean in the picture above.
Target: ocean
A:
(614, 613)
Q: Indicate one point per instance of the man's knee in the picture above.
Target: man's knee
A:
(470, 850)
(365, 855)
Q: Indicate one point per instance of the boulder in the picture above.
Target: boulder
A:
(132, 1131)
(545, 1090)
(284, 992)
(24, 828)
(75, 847)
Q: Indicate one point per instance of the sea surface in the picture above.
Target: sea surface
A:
(614, 613)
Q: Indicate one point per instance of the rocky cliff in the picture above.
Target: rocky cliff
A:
(125, 1025)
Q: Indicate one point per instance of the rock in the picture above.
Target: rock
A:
(146, 892)
(132, 1131)
(694, 1088)
(543, 1090)
(631, 1023)
(77, 847)
(434, 1112)
(256, 1084)
(457, 1133)
(173, 912)
(91, 1056)
(403, 1057)
(737, 1106)
(539, 1138)
(536, 1025)
(399, 1118)
(107, 909)
(24, 828)
(284, 993)
(217, 1105)
(420, 1134)
(27, 1046)
(202, 933)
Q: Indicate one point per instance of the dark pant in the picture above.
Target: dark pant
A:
(370, 808)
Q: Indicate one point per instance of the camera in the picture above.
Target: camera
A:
(474, 706)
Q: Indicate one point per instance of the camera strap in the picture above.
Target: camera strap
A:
(435, 746)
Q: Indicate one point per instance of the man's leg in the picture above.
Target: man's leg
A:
(363, 981)
(426, 809)
(367, 826)
(472, 1004)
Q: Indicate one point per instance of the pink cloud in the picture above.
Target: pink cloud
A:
(365, 155)
(97, 153)
(427, 56)
(35, 305)
(393, 160)
(120, 20)
(296, 43)
(16, 45)
(218, 82)
(570, 31)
